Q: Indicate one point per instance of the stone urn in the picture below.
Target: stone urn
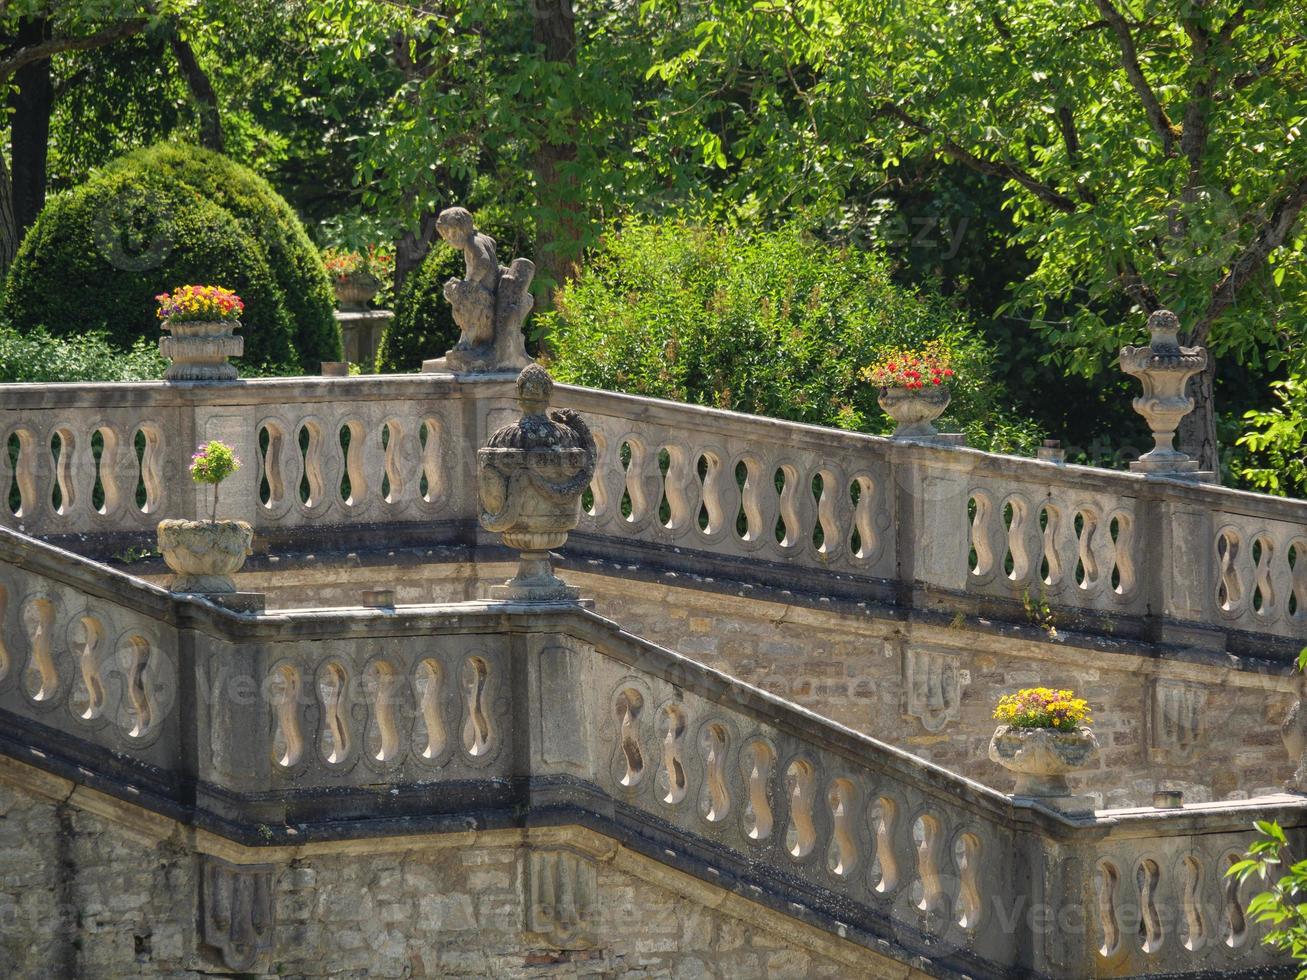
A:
(1164, 368)
(199, 350)
(914, 409)
(531, 474)
(355, 290)
(204, 554)
(1041, 758)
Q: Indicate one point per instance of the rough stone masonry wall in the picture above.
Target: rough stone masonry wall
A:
(1208, 729)
(93, 888)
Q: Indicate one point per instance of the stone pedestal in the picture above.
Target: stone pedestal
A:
(361, 332)
(199, 351)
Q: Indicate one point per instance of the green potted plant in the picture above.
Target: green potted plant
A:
(204, 554)
(201, 321)
(913, 388)
(1044, 736)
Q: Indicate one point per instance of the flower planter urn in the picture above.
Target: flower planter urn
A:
(530, 475)
(355, 290)
(914, 409)
(204, 554)
(199, 350)
(1041, 758)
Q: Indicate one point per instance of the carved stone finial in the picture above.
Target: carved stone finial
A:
(531, 475)
(1164, 368)
(490, 303)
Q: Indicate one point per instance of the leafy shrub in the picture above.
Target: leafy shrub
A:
(81, 357)
(1276, 441)
(770, 323)
(424, 321)
(98, 255)
(292, 258)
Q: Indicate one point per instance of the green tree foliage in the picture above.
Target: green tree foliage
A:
(1277, 440)
(98, 255)
(1152, 152)
(772, 324)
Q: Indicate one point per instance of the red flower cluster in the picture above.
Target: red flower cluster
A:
(911, 369)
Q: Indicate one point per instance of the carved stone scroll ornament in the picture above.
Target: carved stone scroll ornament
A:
(560, 905)
(237, 910)
(491, 302)
(1164, 368)
(932, 687)
(531, 474)
(1176, 720)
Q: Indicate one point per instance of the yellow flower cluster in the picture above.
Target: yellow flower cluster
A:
(1043, 707)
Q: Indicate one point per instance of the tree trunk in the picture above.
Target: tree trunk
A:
(411, 249)
(30, 105)
(201, 90)
(1198, 429)
(559, 220)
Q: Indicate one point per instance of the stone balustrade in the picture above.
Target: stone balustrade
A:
(746, 498)
(313, 724)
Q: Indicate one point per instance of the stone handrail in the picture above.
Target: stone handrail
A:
(745, 497)
(317, 723)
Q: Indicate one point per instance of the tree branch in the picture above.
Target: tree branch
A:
(1045, 192)
(1157, 117)
(1271, 235)
(201, 90)
(47, 49)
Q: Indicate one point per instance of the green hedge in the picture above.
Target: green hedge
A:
(98, 254)
(40, 357)
(771, 323)
(293, 260)
(424, 321)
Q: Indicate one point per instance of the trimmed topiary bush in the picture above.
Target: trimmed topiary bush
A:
(424, 321)
(98, 254)
(293, 260)
(770, 323)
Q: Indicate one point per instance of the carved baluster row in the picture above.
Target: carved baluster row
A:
(75, 475)
(843, 828)
(771, 500)
(317, 466)
(1261, 575)
(1166, 911)
(62, 657)
(385, 713)
(1076, 550)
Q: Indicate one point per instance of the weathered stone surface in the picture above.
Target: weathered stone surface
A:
(1042, 758)
(490, 303)
(1165, 368)
(531, 475)
(83, 896)
(204, 554)
(199, 351)
(914, 411)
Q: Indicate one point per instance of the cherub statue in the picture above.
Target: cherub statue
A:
(490, 302)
